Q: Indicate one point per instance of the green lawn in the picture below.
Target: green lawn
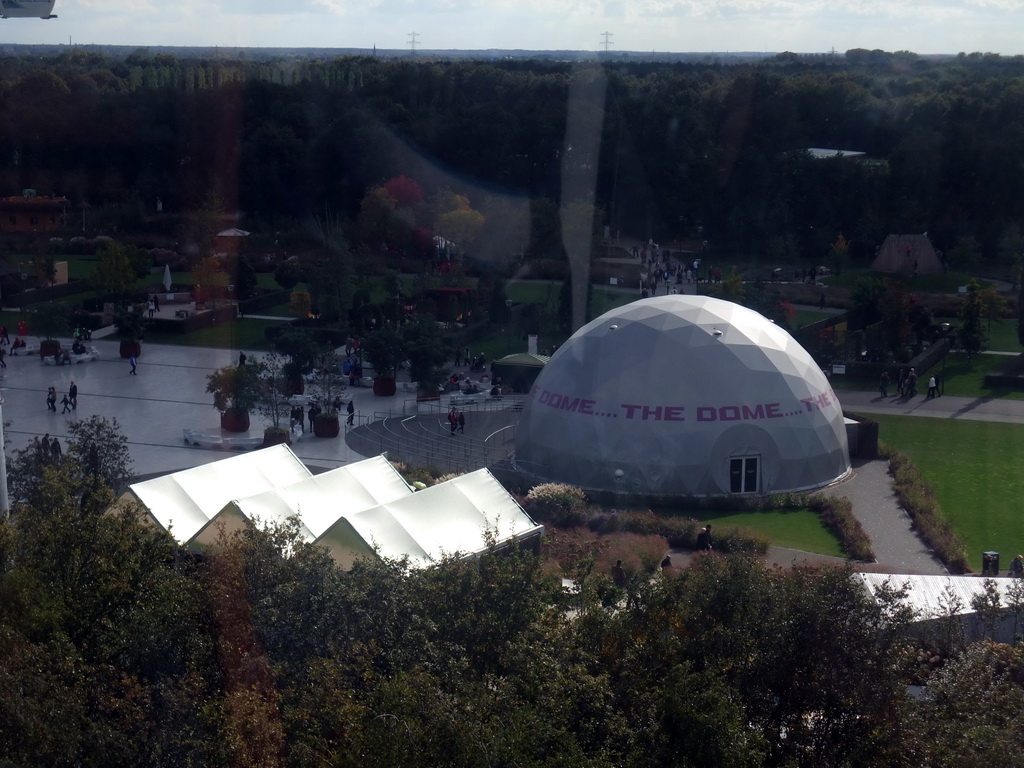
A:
(795, 529)
(974, 469)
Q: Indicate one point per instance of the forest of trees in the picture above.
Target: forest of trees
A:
(661, 150)
(119, 649)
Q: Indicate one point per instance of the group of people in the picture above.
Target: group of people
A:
(906, 384)
(299, 416)
(47, 448)
(457, 420)
(69, 400)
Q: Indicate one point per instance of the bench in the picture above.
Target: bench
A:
(90, 354)
(202, 439)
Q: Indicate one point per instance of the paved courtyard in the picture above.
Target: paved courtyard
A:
(153, 408)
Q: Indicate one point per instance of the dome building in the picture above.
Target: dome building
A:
(683, 396)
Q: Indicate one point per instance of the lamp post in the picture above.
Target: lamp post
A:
(508, 326)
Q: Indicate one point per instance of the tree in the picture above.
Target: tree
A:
(423, 342)
(209, 279)
(272, 373)
(384, 349)
(50, 319)
(970, 336)
(965, 252)
(839, 254)
(114, 275)
(234, 387)
(97, 457)
(894, 306)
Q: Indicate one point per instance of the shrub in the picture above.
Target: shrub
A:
(837, 515)
(555, 495)
(916, 497)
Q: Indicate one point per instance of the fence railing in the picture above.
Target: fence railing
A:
(421, 435)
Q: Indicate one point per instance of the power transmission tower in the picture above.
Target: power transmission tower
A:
(412, 41)
(607, 40)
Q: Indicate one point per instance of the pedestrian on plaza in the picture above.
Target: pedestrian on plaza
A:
(3, 353)
(43, 447)
(156, 302)
(933, 387)
(458, 356)
(241, 359)
(883, 384)
(453, 419)
(351, 412)
(66, 402)
(4, 338)
(912, 383)
(55, 450)
(73, 396)
(51, 399)
(134, 363)
(704, 539)
(462, 422)
(151, 307)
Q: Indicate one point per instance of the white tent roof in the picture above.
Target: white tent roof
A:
(185, 502)
(454, 517)
(926, 594)
(318, 501)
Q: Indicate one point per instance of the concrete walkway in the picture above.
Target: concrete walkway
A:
(944, 407)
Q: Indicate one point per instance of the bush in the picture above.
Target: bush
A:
(916, 497)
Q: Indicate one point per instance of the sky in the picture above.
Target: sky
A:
(801, 26)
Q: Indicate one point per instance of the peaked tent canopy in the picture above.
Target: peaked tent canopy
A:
(184, 503)
(466, 515)
(907, 254)
(316, 501)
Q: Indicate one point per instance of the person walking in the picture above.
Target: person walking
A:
(351, 410)
(462, 422)
(134, 363)
(73, 396)
(241, 359)
(933, 387)
(883, 384)
(51, 399)
(66, 402)
(151, 307)
(3, 354)
(55, 449)
(453, 420)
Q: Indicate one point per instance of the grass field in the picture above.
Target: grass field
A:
(795, 529)
(974, 469)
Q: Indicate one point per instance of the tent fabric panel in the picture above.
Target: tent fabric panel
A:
(185, 501)
(345, 544)
(387, 536)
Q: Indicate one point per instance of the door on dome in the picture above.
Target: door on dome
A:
(744, 474)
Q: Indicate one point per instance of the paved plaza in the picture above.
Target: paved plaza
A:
(153, 408)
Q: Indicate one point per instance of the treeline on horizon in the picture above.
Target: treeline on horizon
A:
(679, 150)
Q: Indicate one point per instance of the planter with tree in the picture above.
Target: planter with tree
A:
(384, 350)
(425, 347)
(49, 320)
(130, 322)
(235, 389)
(271, 403)
(327, 388)
(301, 351)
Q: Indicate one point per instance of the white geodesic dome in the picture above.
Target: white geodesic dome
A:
(679, 396)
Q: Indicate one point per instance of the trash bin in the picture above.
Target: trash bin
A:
(990, 563)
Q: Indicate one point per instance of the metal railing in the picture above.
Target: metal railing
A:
(422, 436)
